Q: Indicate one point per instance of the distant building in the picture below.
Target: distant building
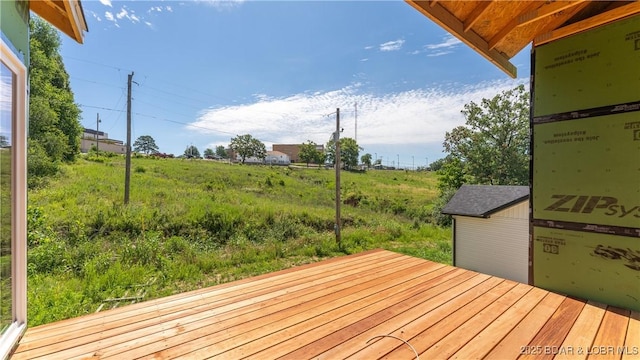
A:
(293, 150)
(277, 158)
(91, 138)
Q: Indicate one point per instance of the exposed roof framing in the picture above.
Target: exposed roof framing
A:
(500, 29)
(66, 15)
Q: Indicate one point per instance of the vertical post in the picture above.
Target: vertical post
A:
(398, 155)
(413, 163)
(337, 161)
(127, 174)
(97, 133)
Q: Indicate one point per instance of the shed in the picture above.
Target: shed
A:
(491, 230)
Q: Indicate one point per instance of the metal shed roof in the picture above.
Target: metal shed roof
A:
(498, 30)
(484, 200)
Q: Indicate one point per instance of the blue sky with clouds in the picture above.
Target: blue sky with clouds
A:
(209, 70)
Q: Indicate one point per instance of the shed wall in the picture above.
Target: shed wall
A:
(496, 246)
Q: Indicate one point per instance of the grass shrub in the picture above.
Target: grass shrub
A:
(191, 224)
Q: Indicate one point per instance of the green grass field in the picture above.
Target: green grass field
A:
(197, 223)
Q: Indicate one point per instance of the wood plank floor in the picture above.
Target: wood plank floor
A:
(373, 305)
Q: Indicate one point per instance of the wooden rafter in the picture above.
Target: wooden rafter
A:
(589, 23)
(534, 12)
(448, 21)
(65, 15)
(475, 14)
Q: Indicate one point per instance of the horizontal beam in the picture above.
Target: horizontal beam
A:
(453, 25)
(580, 26)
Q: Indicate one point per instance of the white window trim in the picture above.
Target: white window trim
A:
(9, 340)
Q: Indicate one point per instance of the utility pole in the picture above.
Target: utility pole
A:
(337, 159)
(127, 171)
(98, 133)
(413, 163)
(398, 155)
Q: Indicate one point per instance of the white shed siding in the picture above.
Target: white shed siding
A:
(519, 211)
(496, 246)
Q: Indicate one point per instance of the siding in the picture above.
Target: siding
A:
(496, 246)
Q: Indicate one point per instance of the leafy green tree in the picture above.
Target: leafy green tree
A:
(366, 159)
(309, 153)
(221, 151)
(208, 153)
(493, 144)
(437, 165)
(349, 152)
(191, 152)
(248, 146)
(53, 114)
(54, 126)
(145, 144)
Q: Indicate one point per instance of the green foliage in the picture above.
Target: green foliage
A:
(208, 153)
(366, 159)
(309, 153)
(39, 165)
(248, 146)
(53, 115)
(191, 152)
(221, 151)
(493, 145)
(349, 152)
(145, 144)
(195, 224)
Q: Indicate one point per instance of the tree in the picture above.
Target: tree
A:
(191, 152)
(248, 146)
(349, 152)
(54, 126)
(309, 153)
(494, 142)
(208, 153)
(221, 151)
(145, 144)
(366, 159)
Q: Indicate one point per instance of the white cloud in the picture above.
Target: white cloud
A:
(95, 16)
(109, 16)
(154, 8)
(106, 3)
(365, 59)
(221, 4)
(411, 117)
(369, 47)
(134, 18)
(392, 45)
(439, 53)
(448, 42)
(169, 8)
(148, 24)
(123, 12)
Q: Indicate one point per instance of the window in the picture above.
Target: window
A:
(13, 314)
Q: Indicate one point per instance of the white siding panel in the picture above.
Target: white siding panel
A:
(519, 211)
(496, 246)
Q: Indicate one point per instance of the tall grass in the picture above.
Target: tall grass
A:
(196, 223)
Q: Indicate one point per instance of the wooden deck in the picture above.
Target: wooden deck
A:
(362, 306)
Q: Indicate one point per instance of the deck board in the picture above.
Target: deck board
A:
(357, 306)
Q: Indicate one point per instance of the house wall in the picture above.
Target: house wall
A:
(14, 20)
(496, 246)
(292, 150)
(86, 144)
(585, 161)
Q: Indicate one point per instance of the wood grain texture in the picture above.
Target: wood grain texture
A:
(342, 308)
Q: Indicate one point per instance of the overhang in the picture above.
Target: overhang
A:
(66, 15)
(500, 29)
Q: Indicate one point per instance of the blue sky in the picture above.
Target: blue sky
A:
(209, 70)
